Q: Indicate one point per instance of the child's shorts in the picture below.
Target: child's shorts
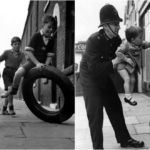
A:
(8, 75)
(126, 66)
(28, 65)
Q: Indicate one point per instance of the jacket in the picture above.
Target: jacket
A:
(131, 51)
(96, 65)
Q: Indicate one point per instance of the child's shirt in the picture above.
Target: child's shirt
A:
(129, 50)
(12, 61)
(40, 46)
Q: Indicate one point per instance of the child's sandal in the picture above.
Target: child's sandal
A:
(130, 102)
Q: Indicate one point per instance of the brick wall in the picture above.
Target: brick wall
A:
(34, 24)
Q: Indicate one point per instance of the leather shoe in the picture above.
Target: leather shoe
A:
(132, 143)
(134, 103)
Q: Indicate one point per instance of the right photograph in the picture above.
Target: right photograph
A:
(112, 74)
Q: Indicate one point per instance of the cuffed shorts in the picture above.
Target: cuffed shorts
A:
(8, 75)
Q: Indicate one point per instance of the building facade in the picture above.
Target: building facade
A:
(138, 13)
(79, 50)
(64, 12)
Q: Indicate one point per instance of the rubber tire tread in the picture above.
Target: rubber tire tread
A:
(64, 83)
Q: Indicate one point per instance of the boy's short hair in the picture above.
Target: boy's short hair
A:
(132, 32)
(49, 18)
(15, 39)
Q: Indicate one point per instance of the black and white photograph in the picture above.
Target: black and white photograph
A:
(112, 74)
(37, 82)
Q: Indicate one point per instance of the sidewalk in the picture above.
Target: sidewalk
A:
(25, 131)
(137, 120)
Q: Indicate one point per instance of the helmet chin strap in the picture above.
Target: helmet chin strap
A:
(111, 30)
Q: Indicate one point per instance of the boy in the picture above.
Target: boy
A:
(39, 52)
(130, 52)
(13, 58)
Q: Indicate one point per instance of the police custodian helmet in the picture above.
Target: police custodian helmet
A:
(108, 14)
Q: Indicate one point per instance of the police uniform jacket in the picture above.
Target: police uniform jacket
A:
(96, 65)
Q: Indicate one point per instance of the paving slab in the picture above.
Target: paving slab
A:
(36, 143)
(53, 132)
(142, 128)
(11, 132)
(25, 131)
(144, 119)
(137, 120)
(80, 134)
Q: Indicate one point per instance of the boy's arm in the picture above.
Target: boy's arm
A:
(3, 56)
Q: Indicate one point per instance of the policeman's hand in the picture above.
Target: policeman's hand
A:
(116, 61)
(129, 60)
(40, 66)
(0, 75)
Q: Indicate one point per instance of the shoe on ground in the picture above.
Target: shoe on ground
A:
(11, 110)
(5, 112)
(132, 143)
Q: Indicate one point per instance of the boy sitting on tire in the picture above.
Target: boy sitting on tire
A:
(39, 52)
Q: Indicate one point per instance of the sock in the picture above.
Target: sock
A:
(128, 96)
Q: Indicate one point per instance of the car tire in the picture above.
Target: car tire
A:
(65, 85)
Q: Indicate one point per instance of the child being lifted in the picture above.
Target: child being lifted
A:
(130, 52)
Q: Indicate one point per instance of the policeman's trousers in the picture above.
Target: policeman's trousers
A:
(96, 99)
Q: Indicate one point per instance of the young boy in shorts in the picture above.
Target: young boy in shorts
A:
(130, 51)
(39, 52)
(13, 58)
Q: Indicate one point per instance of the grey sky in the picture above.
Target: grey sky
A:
(87, 16)
(13, 15)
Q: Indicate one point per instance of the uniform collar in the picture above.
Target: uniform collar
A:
(102, 33)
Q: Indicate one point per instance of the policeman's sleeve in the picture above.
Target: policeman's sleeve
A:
(3, 56)
(95, 60)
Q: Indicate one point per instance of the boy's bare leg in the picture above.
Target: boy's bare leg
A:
(11, 107)
(13, 90)
(4, 109)
(6, 102)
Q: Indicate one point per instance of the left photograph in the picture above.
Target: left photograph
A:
(37, 99)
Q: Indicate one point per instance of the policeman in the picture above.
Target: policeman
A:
(97, 65)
